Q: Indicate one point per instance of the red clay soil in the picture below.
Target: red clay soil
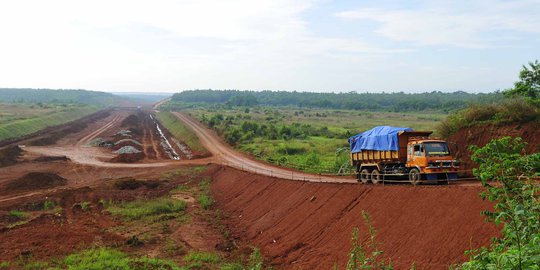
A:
(50, 234)
(301, 225)
(482, 134)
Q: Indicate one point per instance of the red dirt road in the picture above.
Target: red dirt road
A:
(300, 225)
(226, 155)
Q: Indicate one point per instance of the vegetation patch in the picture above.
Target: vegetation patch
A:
(33, 123)
(202, 257)
(147, 208)
(205, 197)
(104, 258)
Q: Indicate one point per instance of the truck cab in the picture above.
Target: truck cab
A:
(431, 158)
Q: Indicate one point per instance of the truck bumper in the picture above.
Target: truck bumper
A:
(441, 176)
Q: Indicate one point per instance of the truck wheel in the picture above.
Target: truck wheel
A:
(414, 176)
(365, 176)
(376, 176)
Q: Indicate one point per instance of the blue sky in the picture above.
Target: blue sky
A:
(304, 45)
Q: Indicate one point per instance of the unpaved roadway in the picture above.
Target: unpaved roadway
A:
(225, 155)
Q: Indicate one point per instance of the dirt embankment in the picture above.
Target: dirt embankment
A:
(482, 134)
(300, 225)
(34, 181)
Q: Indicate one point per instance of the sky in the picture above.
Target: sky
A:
(302, 45)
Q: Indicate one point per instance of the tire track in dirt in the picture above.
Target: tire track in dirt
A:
(94, 134)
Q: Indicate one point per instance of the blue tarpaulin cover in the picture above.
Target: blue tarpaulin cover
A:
(381, 138)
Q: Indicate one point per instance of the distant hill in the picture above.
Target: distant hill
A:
(144, 97)
(356, 101)
(27, 95)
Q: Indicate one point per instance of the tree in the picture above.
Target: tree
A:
(528, 85)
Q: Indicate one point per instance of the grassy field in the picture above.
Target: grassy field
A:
(181, 132)
(22, 119)
(312, 140)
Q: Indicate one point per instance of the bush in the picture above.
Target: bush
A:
(517, 205)
(515, 110)
(205, 201)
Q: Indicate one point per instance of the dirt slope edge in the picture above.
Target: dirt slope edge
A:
(480, 135)
(301, 225)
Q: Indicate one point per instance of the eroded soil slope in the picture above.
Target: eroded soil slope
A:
(482, 134)
(301, 225)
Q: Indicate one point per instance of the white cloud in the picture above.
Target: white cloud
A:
(473, 24)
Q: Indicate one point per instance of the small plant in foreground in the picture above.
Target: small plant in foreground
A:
(47, 205)
(85, 206)
(18, 214)
(359, 258)
(517, 205)
(202, 257)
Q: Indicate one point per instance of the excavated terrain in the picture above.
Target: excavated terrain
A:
(303, 225)
(297, 224)
(482, 134)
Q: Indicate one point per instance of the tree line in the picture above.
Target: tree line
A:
(28, 95)
(398, 101)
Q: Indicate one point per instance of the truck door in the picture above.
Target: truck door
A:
(418, 157)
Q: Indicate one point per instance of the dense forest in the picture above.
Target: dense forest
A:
(27, 95)
(398, 102)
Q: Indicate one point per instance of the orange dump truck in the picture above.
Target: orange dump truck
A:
(397, 153)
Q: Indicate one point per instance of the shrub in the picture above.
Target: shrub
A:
(205, 201)
(516, 110)
(516, 197)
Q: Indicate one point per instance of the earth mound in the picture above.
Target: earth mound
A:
(9, 155)
(131, 121)
(35, 180)
(51, 158)
(129, 183)
(128, 157)
(480, 135)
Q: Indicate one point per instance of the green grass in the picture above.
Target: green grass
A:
(37, 119)
(202, 257)
(49, 205)
(18, 214)
(181, 132)
(5, 265)
(147, 208)
(104, 258)
(205, 197)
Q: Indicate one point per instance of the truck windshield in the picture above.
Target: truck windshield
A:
(436, 149)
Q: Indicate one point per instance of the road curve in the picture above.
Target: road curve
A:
(226, 155)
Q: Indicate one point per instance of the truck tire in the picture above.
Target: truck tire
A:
(414, 176)
(365, 176)
(376, 176)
